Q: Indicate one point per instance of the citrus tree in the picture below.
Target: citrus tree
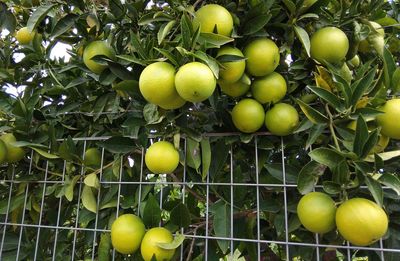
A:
(298, 96)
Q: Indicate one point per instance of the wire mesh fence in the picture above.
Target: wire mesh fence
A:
(45, 216)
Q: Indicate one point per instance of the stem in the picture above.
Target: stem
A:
(335, 139)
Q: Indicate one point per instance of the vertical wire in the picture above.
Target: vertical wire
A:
(119, 196)
(97, 205)
(24, 209)
(258, 200)
(41, 209)
(348, 252)
(8, 209)
(183, 193)
(207, 199)
(58, 215)
(78, 204)
(231, 185)
(140, 182)
(382, 252)
(285, 201)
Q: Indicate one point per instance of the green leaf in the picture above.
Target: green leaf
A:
(312, 114)
(16, 202)
(88, 199)
(327, 157)
(303, 37)
(168, 55)
(370, 143)
(186, 31)
(164, 30)
(69, 187)
(389, 67)
(341, 172)
(361, 136)
(64, 24)
(256, 23)
(151, 212)
(45, 154)
(290, 6)
(104, 247)
(7, 19)
(214, 39)
(178, 240)
(193, 155)
(131, 59)
(361, 86)
(138, 46)
(314, 134)
(331, 187)
(120, 71)
(390, 180)
(118, 144)
(210, 61)
(180, 216)
(384, 155)
(67, 149)
(205, 157)
(150, 114)
(92, 180)
(376, 190)
(221, 223)
(329, 97)
(38, 15)
(308, 176)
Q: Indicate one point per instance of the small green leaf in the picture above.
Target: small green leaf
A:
(384, 155)
(327, 157)
(88, 199)
(312, 114)
(38, 15)
(255, 24)
(138, 46)
(164, 30)
(186, 31)
(390, 180)
(329, 97)
(308, 176)
(131, 59)
(64, 24)
(361, 86)
(118, 144)
(151, 115)
(361, 136)
(303, 37)
(389, 67)
(214, 39)
(210, 61)
(370, 143)
(331, 187)
(221, 222)
(151, 212)
(178, 240)
(92, 180)
(205, 157)
(180, 216)
(16, 201)
(341, 172)
(193, 156)
(104, 247)
(69, 187)
(45, 154)
(376, 189)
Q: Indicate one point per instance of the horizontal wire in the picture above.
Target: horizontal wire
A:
(248, 240)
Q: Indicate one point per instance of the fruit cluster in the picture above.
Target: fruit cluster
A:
(128, 233)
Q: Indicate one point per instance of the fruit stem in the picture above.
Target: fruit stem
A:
(331, 128)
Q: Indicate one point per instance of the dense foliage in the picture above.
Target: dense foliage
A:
(57, 108)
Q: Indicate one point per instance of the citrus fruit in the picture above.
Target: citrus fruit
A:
(316, 212)
(93, 49)
(236, 89)
(262, 57)
(3, 152)
(195, 82)
(270, 88)
(248, 115)
(24, 36)
(329, 44)
(150, 248)
(234, 70)
(375, 37)
(157, 84)
(92, 158)
(127, 233)
(361, 221)
(354, 62)
(389, 121)
(282, 119)
(162, 157)
(214, 17)
(382, 143)
(14, 153)
(174, 103)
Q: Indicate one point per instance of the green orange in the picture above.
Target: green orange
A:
(282, 119)
(269, 88)
(214, 18)
(262, 57)
(162, 157)
(248, 115)
(231, 71)
(97, 48)
(127, 233)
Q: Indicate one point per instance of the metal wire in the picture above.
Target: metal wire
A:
(207, 236)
